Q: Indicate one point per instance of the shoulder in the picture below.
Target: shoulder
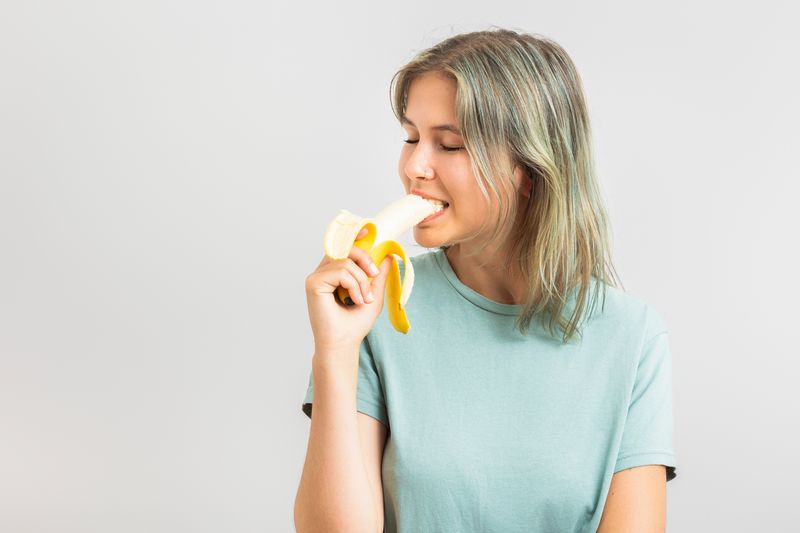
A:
(616, 309)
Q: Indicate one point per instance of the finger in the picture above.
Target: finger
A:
(349, 282)
(361, 277)
(363, 259)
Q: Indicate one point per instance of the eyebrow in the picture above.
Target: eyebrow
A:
(440, 127)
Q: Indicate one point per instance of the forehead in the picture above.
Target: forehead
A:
(431, 99)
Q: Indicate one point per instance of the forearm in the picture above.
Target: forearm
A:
(334, 493)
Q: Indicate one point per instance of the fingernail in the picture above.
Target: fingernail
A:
(370, 297)
(373, 269)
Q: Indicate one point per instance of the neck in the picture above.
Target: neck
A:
(497, 279)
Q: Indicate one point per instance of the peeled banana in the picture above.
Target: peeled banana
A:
(392, 221)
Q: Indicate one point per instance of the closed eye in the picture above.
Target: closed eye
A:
(446, 148)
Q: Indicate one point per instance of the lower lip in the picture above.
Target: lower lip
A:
(433, 216)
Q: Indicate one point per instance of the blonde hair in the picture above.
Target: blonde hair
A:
(520, 101)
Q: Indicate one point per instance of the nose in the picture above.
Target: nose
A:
(418, 166)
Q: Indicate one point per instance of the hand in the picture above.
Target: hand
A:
(336, 325)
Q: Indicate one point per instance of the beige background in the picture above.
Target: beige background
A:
(167, 169)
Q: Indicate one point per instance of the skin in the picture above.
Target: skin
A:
(637, 496)
(636, 501)
(431, 102)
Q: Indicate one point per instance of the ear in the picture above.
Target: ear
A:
(523, 181)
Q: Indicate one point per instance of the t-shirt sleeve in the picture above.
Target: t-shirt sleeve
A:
(369, 393)
(647, 436)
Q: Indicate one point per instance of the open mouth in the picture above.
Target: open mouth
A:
(441, 204)
(439, 212)
(430, 199)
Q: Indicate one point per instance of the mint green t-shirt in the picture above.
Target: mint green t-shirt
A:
(491, 431)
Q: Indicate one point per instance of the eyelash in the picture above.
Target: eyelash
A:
(446, 148)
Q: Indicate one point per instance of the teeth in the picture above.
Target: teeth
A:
(438, 203)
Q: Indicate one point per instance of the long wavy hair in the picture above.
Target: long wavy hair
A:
(520, 101)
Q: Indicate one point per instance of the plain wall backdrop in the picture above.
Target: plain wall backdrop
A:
(167, 170)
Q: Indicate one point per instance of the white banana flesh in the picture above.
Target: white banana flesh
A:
(382, 230)
(401, 215)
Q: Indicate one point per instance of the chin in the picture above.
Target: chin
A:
(429, 238)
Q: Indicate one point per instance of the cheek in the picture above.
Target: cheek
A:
(401, 173)
(401, 165)
(472, 206)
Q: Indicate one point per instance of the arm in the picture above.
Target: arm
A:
(637, 501)
(373, 441)
(337, 489)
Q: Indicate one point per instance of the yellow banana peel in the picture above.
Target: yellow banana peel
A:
(387, 225)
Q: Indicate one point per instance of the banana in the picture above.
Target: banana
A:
(392, 221)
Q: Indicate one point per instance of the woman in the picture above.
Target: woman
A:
(482, 417)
